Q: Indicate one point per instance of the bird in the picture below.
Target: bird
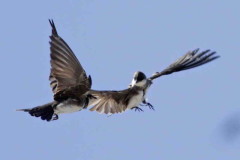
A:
(72, 91)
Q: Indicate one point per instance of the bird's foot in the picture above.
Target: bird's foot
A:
(55, 117)
(148, 104)
(137, 109)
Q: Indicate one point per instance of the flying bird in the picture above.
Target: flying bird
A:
(72, 87)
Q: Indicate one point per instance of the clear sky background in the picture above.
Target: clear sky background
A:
(197, 113)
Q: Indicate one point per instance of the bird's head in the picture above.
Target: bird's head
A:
(139, 79)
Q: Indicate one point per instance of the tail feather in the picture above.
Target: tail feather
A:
(24, 110)
(45, 111)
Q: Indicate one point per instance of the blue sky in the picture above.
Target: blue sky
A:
(197, 111)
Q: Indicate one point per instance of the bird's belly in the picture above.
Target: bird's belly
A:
(136, 100)
(67, 108)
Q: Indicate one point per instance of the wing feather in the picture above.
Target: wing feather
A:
(190, 60)
(110, 102)
(67, 77)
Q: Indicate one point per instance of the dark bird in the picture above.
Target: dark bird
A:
(72, 87)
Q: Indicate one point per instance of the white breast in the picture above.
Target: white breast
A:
(66, 107)
(136, 100)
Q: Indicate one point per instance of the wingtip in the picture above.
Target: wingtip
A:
(213, 55)
(51, 21)
(54, 30)
(195, 50)
(207, 53)
(216, 57)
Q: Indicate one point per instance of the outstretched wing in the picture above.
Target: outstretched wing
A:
(110, 102)
(190, 60)
(67, 77)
